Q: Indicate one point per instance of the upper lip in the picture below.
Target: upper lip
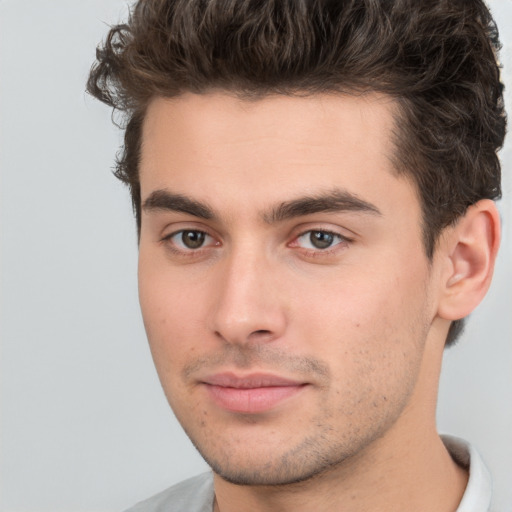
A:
(254, 380)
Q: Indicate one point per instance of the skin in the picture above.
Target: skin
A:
(357, 324)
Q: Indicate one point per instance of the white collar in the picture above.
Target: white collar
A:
(478, 494)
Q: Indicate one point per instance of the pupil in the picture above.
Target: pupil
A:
(321, 240)
(192, 239)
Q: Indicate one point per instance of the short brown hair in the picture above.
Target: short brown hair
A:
(437, 58)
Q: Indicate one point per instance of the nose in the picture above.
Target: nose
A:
(248, 306)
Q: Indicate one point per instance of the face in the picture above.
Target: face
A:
(283, 280)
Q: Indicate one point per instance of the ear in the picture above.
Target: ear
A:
(469, 254)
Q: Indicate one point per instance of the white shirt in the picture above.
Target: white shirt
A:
(197, 494)
(478, 494)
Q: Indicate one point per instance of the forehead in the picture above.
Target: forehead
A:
(269, 110)
(216, 145)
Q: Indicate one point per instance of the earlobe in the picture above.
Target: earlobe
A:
(471, 251)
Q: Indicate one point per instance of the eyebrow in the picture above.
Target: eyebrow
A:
(337, 200)
(165, 200)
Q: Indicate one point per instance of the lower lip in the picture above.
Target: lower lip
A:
(253, 400)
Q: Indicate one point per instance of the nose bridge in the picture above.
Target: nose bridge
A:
(247, 305)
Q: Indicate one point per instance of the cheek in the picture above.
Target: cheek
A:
(169, 313)
(373, 343)
(369, 325)
(366, 304)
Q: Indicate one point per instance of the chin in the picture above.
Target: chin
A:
(251, 477)
(298, 465)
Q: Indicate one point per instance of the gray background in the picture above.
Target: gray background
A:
(85, 426)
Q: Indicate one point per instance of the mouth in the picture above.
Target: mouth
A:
(250, 394)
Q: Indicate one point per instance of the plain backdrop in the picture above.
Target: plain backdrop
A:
(85, 426)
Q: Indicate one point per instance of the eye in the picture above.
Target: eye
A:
(190, 239)
(319, 240)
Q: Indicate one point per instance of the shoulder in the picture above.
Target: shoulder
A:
(192, 495)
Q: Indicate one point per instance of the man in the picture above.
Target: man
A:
(313, 184)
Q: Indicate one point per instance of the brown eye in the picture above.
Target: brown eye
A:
(321, 239)
(192, 239)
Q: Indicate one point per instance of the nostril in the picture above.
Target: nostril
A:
(258, 335)
(261, 335)
(261, 332)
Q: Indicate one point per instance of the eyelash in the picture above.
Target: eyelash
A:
(193, 253)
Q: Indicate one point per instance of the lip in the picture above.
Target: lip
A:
(250, 394)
